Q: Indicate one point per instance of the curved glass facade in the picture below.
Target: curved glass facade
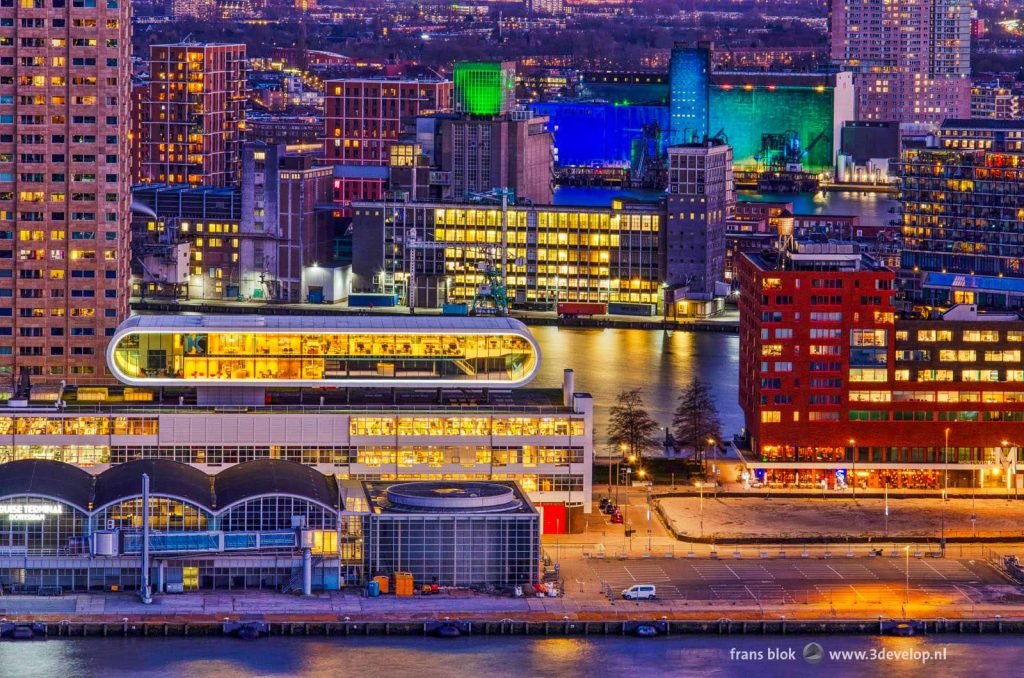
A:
(275, 513)
(165, 514)
(322, 358)
(36, 526)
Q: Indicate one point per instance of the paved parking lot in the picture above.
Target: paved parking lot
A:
(840, 581)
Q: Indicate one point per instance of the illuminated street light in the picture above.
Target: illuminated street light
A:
(853, 456)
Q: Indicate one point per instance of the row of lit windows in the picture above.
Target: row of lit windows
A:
(458, 235)
(995, 397)
(921, 415)
(55, 426)
(465, 426)
(371, 456)
(560, 221)
(988, 336)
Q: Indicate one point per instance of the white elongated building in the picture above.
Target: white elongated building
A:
(360, 398)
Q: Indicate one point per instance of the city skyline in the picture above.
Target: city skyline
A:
(507, 306)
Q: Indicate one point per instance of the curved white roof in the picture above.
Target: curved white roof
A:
(436, 369)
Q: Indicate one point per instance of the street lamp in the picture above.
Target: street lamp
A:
(945, 469)
(853, 456)
(906, 588)
(700, 485)
(642, 473)
(568, 503)
(1011, 468)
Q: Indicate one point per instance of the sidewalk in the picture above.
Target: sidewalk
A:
(344, 607)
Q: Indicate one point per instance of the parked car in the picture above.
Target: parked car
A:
(610, 508)
(640, 592)
(617, 517)
(604, 502)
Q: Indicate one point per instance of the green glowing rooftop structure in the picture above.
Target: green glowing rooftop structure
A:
(485, 87)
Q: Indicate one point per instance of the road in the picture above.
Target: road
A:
(844, 581)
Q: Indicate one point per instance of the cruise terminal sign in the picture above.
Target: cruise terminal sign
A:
(29, 512)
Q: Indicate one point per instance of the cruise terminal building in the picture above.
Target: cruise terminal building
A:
(265, 439)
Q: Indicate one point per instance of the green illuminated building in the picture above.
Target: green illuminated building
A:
(773, 121)
(485, 88)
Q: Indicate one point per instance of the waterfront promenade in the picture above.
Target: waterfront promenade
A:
(701, 589)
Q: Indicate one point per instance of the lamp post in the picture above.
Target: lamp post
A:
(853, 456)
(945, 468)
(642, 473)
(906, 588)
(714, 464)
(887, 507)
(568, 504)
(701, 487)
(1011, 468)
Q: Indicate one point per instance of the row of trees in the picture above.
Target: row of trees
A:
(695, 422)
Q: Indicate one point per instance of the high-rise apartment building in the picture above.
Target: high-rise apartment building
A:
(993, 100)
(911, 59)
(64, 186)
(839, 390)
(139, 94)
(194, 115)
(963, 212)
(700, 199)
(364, 118)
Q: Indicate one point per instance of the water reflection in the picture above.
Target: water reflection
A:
(609, 360)
(493, 656)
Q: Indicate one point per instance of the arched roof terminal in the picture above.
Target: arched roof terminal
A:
(166, 477)
(273, 477)
(75, 487)
(45, 478)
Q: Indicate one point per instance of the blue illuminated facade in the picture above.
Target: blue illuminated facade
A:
(689, 82)
(598, 133)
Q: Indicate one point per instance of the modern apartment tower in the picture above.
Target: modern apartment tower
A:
(963, 211)
(364, 118)
(64, 187)
(194, 116)
(911, 59)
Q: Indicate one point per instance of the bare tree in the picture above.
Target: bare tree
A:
(631, 429)
(696, 422)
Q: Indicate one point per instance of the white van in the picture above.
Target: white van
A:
(640, 592)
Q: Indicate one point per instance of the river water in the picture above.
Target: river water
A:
(872, 208)
(486, 657)
(607, 361)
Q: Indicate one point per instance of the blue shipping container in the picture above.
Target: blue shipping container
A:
(621, 308)
(455, 309)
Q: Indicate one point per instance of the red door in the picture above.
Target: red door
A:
(554, 518)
